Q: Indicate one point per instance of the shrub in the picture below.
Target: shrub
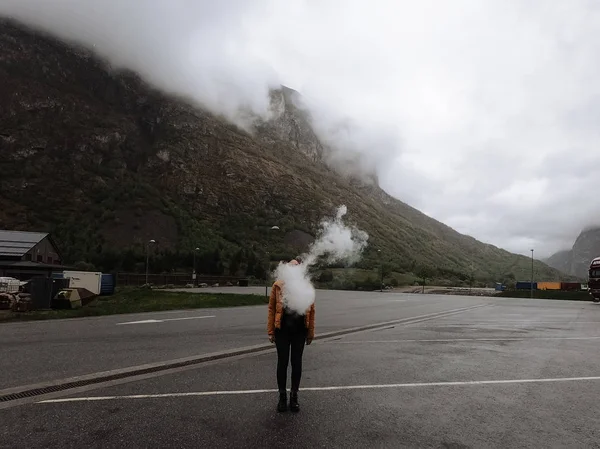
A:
(326, 276)
(84, 266)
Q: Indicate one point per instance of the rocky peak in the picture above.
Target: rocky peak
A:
(576, 261)
(291, 123)
(586, 247)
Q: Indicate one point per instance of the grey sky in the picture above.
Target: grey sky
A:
(483, 114)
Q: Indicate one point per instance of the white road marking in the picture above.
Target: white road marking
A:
(331, 388)
(513, 324)
(470, 323)
(443, 340)
(167, 319)
(189, 318)
(140, 322)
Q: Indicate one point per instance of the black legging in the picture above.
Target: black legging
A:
(284, 339)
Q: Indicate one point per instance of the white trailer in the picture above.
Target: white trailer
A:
(84, 279)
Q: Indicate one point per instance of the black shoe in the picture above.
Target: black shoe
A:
(294, 406)
(282, 404)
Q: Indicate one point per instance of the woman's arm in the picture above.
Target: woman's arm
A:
(311, 324)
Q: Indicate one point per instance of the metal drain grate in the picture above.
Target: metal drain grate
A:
(82, 383)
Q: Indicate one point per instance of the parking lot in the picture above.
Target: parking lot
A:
(513, 373)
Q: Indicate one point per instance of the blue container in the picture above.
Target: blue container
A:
(521, 285)
(107, 284)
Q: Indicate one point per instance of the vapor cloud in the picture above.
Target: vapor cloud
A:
(335, 242)
(298, 291)
(482, 114)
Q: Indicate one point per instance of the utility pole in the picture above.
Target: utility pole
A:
(531, 285)
(148, 256)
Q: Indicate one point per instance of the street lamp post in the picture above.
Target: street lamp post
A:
(471, 278)
(148, 256)
(267, 276)
(531, 285)
(381, 271)
(194, 277)
(273, 228)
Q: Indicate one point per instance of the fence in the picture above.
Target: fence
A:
(138, 279)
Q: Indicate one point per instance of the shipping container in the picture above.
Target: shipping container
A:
(548, 285)
(570, 286)
(525, 285)
(84, 279)
(107, 284)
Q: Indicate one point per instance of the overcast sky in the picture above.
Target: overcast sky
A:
(482, 114)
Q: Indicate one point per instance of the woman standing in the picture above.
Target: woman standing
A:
(289, 331)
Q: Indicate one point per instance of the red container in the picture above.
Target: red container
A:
(570, 286)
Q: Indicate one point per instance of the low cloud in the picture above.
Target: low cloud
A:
(481, 114)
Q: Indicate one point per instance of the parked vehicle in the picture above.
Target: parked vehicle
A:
(594, 279)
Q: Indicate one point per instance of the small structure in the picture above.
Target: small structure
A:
(25, 255)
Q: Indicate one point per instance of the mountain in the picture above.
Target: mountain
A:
(576, 261)
(106, 163)
(561, 260)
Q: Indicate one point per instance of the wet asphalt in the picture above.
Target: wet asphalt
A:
(38, 351)
(518, 373)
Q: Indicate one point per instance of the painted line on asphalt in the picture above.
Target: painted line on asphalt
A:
(152, 321)
(509, 325)
(450, 340)
(140, 322)
(331, 388)
(399, 322)
(26, 393)
(491, 322)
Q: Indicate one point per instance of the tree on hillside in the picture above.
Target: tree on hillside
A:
(424, 274)
(235, 263)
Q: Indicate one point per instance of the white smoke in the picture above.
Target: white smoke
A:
(336, 242)
(298, 291)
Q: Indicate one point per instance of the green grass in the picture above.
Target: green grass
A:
(139, 301)
(548, 294)
(362, 279)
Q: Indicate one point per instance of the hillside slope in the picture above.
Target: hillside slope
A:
(106, 163)
(576, 261)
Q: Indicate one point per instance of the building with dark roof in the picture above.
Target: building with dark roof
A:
(24, 255)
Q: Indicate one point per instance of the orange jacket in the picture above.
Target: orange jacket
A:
(276, 310)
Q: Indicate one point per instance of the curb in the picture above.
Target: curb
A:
(32, 390)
